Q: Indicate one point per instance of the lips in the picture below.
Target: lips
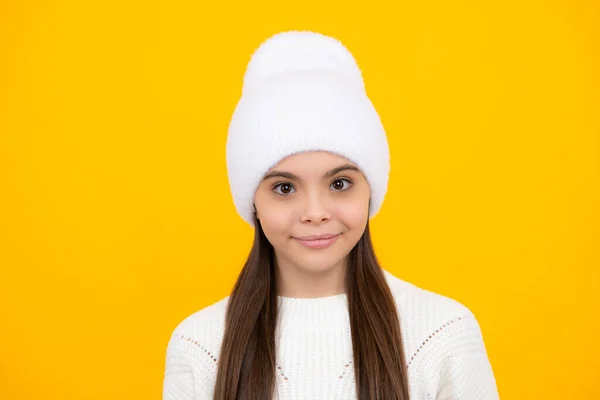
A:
(317, 237)
(318, 241)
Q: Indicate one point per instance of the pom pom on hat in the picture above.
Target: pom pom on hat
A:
(303, 91)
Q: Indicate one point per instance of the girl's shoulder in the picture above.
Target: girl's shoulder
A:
(444, 346)
(192, 352)
(210, 316)
(427, 316)
(197, 337)
(413, 299)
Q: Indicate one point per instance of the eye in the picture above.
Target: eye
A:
(338, 184)
(285, 188)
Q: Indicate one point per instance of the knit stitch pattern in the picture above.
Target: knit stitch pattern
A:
(444, 348)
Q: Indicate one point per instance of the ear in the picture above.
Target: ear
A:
(255, 214)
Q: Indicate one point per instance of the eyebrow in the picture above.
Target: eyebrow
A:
(328, 174)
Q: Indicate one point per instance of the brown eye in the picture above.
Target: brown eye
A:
(338, 184)
(283, 188)
(286, 188)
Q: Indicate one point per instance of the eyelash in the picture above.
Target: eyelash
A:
(341, 178)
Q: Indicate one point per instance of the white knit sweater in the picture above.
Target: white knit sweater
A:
(445, 352)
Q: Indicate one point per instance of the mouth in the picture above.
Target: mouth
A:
(316, 237)
(318, 241)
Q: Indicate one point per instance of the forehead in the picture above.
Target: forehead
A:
(317, 161)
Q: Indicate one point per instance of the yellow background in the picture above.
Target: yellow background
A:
(117, 222)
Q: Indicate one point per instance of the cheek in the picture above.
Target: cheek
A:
(353, 215)
(276, 224)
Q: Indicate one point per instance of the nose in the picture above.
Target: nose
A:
(315, 211)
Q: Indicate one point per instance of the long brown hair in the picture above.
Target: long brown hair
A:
(246, 368)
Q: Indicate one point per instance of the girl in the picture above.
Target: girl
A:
(312, 314)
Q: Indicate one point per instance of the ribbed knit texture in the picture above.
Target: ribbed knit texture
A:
(444, 347)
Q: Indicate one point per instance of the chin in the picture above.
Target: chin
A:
(317, 263)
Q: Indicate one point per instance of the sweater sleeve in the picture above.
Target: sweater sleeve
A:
(465, 372)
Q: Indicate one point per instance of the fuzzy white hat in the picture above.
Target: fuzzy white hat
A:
(303, 91)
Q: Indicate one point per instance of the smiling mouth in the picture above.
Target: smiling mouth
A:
(318, 241)
(316, 237)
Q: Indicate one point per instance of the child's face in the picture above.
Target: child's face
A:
(312, 201)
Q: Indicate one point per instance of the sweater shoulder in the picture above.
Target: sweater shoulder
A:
(192, 353)
(426, 315)
(205, 318)
(445, 349)
(422, 304)
(200, 334)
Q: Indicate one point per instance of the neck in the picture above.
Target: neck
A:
(298, 282)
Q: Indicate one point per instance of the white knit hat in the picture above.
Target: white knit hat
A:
(303, 91)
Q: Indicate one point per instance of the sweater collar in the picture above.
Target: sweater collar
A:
(326, 314)
(313, 314)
